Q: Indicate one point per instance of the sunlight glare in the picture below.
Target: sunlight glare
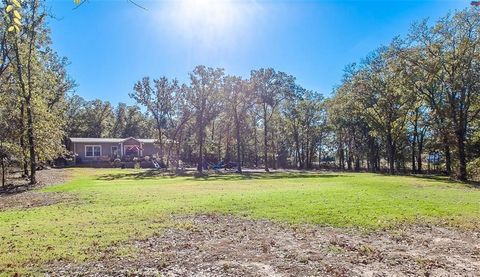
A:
(209, 22)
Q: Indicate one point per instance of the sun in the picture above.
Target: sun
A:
(208, 21)
(210, 14)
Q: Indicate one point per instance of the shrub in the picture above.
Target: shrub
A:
(473, 169)
(117, 162)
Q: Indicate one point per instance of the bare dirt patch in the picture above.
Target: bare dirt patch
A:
(49, 177)
(216, 245)
(21, 196)
(32, 199)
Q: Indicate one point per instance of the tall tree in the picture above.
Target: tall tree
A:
(449, 53)
(99, 118)
(42, 82)
(159, 103)
(270, 88)
(386, 104)
(204, 98)
(120, 123)
(239, 100)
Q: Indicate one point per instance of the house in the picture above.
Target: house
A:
(107, 149)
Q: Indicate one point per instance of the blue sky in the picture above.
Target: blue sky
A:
(112, 44)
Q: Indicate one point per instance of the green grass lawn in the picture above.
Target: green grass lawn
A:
(117, 205)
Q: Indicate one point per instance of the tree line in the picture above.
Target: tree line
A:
(413, 101)
(261, 121)
(418, 94)
(406, 102)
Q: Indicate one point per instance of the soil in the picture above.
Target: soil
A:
(22, 196)
(217, 245)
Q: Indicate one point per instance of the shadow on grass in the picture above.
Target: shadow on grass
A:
(446, 179)
(142, 175)
(269, 176)
(152, 174)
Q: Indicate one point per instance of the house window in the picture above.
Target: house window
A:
(114, 151)
(93, 151)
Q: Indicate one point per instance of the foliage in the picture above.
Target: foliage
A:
(414, 89)
(33, 88)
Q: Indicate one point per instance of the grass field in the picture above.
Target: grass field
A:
(116, 205)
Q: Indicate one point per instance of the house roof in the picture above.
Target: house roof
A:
(108, 140)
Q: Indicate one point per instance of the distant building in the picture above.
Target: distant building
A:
(105, 149)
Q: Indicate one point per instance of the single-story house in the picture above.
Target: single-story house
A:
(104, 149)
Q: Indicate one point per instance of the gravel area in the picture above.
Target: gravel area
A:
(214, 245)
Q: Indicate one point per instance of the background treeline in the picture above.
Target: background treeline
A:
(216, 117)
(417, 96)
(99, 119)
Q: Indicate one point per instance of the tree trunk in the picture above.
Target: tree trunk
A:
(3, 172)
(200, 142)
(239, 154)
(24, 156)
(31, 142)
(349, 156)
(341, 154)
(420, 150)
(461, 155)
(391, 153)
(265, 138)
(319, 156)
(219, 147)
(160, 143)
(23, 146)
(255, 140)
(373, 153)
(414, 140)
(349, 161)
(357, 163)
(448, 155)
(274, 151)
(297, 149)
(227, 158)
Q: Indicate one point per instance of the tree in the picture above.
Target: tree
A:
(24, 51)
(306, 123)
(99, 118)
(448, 54)
(386, 104)
(120, 124)
(159, 102)
(270, 88)
(74, 114)
(137, 124)
(204, 97)
(239, 100)
(40, 83)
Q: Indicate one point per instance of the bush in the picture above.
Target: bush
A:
(473, 170)
(117, 162)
